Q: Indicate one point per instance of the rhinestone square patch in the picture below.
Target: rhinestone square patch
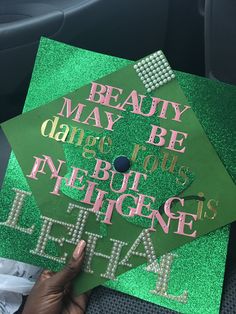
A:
(154, 71)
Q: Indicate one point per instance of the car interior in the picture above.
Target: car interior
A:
(196, 36)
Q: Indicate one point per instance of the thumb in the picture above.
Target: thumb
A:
(71, 270)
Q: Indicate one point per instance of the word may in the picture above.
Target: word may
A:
(102, 172)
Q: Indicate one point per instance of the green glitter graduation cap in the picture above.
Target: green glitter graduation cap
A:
(196, 169)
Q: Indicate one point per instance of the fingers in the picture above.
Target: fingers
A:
(72, 269)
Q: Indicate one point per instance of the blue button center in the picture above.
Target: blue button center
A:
(122, 164)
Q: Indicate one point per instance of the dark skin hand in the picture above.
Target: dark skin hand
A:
(51, 293)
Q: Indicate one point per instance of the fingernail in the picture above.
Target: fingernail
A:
(79, 249)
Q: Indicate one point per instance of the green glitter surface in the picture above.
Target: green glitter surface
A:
(213, 104)
(60, 69)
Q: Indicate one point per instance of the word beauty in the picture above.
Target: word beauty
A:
(103, 171)
(74, 232)
(134, 100)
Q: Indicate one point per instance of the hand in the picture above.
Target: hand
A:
(51, 293)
